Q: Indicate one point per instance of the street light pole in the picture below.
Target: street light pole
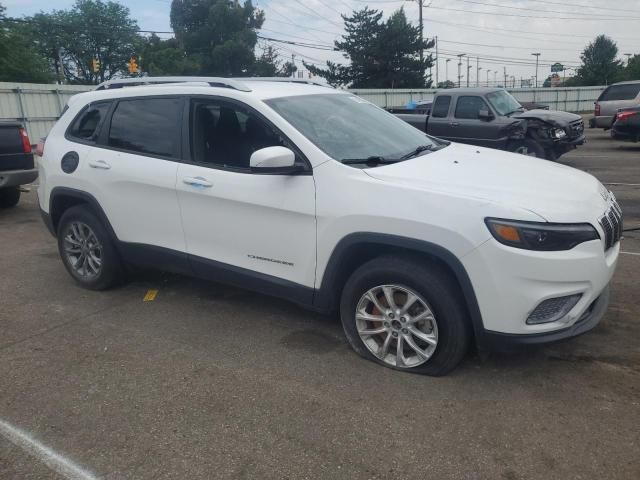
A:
(478, 68)
(459, 67)
(468, 70)
(488, 72)
(537, 55)
(446, 70)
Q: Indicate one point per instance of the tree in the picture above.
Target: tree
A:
(632, 70)
(219, 35)
(382, 53)
(447, 84)
(91, 29)
(19, 61)
(269, 65)
(165, 57)
(599, 63)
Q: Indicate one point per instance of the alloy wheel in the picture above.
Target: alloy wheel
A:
(82, 250)
(397, 325)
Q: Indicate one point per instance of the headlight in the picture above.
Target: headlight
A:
(558, 133)
(541, 236)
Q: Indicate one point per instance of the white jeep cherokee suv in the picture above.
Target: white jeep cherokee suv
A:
(316, 195)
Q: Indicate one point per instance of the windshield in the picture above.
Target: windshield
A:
(347, 127)
(503, 102)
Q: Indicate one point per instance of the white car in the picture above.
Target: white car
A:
(316, 195)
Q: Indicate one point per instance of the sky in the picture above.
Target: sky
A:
(494, 34)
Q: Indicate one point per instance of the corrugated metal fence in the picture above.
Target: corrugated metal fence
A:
(579, 99)
(38, 106)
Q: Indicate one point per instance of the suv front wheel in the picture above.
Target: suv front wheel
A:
(87, 250)
(405, 315)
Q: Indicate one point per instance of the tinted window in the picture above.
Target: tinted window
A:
(469, 107)
(227, 135)
(148, 126)
(441, 106)
(85, 126)
(620, 92)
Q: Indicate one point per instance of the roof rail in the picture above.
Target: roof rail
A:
(306, 81)
(138, 81)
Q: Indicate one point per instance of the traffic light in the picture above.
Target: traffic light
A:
(95, 65)
(133, 65)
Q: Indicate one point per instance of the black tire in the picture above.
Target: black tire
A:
(9, 197)
(112, 271)
(529, 148)
(430, 281)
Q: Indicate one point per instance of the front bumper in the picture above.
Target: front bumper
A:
(510, 283)
(15, 178)
(496, 341)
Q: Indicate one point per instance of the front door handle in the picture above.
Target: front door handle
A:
(454, 124)
(197, 182)
(101, 164)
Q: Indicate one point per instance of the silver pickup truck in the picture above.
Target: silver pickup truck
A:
(16, 162)
(491, 117)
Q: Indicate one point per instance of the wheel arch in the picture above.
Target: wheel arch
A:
(357, 248)
(63, 198)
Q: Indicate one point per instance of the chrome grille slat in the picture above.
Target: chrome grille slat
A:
(612, 224)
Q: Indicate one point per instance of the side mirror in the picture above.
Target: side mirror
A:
(485, 115)
(272, 158)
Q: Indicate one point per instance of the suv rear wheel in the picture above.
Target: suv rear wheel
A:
(9, 197)
(87, 250)
(405, 315)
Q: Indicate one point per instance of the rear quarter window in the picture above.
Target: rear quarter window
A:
(85, 126)
(620, 92)
(441, 106)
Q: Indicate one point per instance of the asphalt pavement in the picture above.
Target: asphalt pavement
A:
(212, 382)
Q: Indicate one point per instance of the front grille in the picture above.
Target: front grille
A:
(576, 128)
(611, 223)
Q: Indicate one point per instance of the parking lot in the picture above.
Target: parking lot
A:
(208, 381)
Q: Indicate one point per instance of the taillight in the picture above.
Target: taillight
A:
(40, 147)
(625, 115)
(26, 144)
(597, 112)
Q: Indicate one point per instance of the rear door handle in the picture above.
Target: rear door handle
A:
(101, 164)
(199, 182)
(454, 124)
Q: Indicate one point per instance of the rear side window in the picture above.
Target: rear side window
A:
(441, 106)
(86, 124)
(147, 126)
(620, 92)
(469, 107)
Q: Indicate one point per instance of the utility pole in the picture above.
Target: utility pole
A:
(495, 76)
(505, 77)
(478, 71)
(468, 70)
(446, 69)
(437, 61)
(537, 55)
(293, 62)
(459, 67)
(420, 4)
(488, 72)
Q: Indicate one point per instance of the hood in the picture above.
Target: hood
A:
(554, 192)
(554, 117)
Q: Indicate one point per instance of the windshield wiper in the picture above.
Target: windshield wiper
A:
(416, 151)
(373, 160)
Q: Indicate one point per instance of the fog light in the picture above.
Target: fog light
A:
(553, 309)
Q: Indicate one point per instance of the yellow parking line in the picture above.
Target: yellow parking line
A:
(150, 296)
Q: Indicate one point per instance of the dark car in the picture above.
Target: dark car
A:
(626, 125)
(491, 117)
(16, 162)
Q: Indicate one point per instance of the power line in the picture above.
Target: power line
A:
(576, 5)
(476, 12)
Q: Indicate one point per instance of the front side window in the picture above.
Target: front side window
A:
(347, 127)
(226, 135)
(441, 106)
(469, 107)
(85, 126)
(147, 126)
(504, 103)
